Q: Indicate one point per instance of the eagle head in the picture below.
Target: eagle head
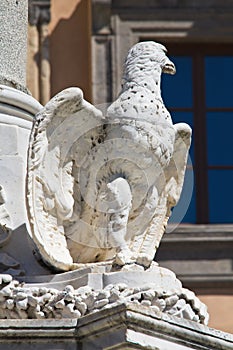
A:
(145, 56)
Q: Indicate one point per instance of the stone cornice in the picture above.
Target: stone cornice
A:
(201, 256)
(126, 325)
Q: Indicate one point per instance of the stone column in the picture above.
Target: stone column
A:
(13, 43)
(17, 110)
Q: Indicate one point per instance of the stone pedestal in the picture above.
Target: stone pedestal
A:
(16, 114)
(133, 327)
(17, 110)
(121, 327)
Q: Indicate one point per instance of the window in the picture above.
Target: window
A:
(201, 94)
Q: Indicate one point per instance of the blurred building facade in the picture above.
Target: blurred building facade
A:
(83, 43)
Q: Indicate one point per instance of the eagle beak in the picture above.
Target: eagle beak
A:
(169, 67)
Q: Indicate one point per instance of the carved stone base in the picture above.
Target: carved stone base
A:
(79, 293)
(123, 326)
(17, 110)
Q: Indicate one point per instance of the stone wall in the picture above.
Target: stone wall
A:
(58, 47)
(120, 24)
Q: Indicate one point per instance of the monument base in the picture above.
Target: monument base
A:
(123, 326)
(78, 293)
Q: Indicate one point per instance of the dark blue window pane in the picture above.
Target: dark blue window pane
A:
(177, 89)
(185, 117)
(185, 210)
(182, 117)
(219, 138)
(220, 196)
(219, 81)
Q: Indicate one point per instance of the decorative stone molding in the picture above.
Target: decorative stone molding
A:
(16, 113)
(190, 251)
(39, 301)
(124, 326)
(13, 84)
(135, 327)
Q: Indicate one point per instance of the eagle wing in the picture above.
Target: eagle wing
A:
(175, 172)
(173, 175)
(50, 181)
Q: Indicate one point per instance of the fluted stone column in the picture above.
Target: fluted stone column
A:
(13, 43)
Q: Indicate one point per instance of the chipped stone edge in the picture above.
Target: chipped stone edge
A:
(162, 326)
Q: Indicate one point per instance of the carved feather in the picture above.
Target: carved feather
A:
(99, 187)
(50, 181)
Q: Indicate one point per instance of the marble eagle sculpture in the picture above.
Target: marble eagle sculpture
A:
(101, 187)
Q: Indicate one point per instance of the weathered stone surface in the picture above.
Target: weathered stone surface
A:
(101, 187)
(38, 335)
(136, 327)
(13, 43)
(157, 289)
(16, 113)
(119, 327)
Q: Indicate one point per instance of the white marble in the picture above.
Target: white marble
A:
(136, 327)
(121, 327)
(99, 193)
(101, 187)
(16, 114)
(157, 289)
